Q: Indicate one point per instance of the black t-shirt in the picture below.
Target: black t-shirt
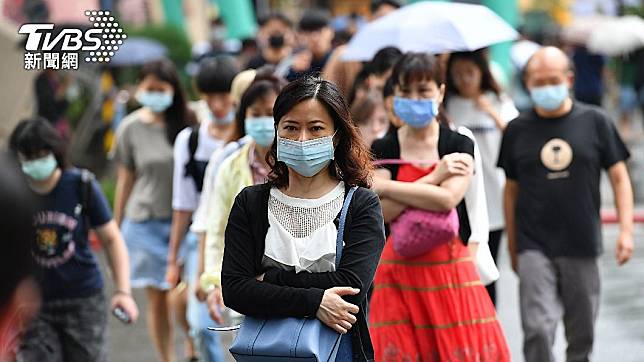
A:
(449, 141)
(557, 163)
(67, 266)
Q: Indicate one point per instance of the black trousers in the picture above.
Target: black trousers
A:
(494, 241)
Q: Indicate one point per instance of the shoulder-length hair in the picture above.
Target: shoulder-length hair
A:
(353, 161)
(419, 67)
(177, 116)
(34, 135)
(479, 58)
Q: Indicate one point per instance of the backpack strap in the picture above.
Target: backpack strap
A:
(85, 198)
(193, 143)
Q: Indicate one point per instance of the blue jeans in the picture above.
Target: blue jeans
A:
(207, 342)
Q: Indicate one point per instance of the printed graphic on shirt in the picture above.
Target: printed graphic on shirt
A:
(556, 155)
(54, 238)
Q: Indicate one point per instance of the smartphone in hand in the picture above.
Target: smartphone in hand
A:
(121, 315)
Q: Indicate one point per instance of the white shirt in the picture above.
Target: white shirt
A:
(302, 234)
(185, 196)
(464, 112)
(201, 216)
(476, 204)
(475, 200)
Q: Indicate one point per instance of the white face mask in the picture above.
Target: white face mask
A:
(157, 101)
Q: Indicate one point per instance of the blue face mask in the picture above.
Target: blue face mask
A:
(307, 158)
(549, 97)
(156, 101)
(417, 113)
(261, 129)
(40, 169)
(227, 119)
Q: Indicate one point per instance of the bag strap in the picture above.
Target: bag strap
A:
(401, 162)
(343, 219)
(193, 143)
(85, 197)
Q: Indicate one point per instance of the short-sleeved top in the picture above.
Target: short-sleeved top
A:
(144, 149)
(464, 112)
(557, 163)
(185, 195)
(449, 141)
(67, 266)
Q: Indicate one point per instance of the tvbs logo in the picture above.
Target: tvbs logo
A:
(98, 43)
(70, 39)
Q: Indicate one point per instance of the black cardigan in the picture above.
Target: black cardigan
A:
(285, 293)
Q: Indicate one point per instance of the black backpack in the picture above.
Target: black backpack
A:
(195, 169)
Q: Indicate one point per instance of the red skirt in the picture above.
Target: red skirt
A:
(433, 308)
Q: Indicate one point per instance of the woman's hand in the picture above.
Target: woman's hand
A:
(486, 106)
(200, 293)
(173, 274)
(126, 302)
(215, 305)
(337, 313)
(454, 164)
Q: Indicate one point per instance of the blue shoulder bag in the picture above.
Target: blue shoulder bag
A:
(291, 339)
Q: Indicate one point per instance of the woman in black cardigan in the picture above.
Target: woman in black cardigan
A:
(280, 244)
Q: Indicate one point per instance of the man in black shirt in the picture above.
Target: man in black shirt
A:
(553, 156)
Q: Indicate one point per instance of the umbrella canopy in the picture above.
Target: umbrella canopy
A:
(434, 27)
(617, 37)
(581, 28)
(521, 52)
(136, 51)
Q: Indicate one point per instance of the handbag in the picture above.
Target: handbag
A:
(291, 339)
(415, 231)
(485, 265)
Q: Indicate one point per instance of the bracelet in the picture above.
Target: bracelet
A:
(117, 292)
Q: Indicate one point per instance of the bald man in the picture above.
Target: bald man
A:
(553, 155)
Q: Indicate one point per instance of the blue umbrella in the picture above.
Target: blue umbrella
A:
(136, 51)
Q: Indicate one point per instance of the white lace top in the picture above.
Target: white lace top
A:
(302, 233)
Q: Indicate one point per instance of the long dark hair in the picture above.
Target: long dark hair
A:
(34, 135)
(177, 116)
(417, 67)
(353, 162)
(479, 58)
(262, 85)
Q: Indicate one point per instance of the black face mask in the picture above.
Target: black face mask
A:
(276, 41)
